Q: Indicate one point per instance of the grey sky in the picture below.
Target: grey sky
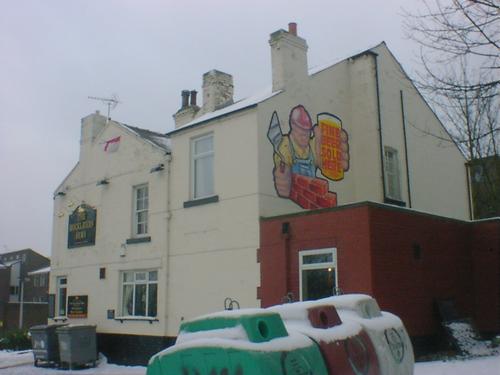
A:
(56, 53)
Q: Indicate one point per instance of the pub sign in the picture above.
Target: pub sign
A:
(81, 227)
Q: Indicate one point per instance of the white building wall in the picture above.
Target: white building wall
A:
(129, 166)
(213, 246)
(436, 167)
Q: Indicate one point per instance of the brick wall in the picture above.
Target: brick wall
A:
(417, 260)
(345, 229)
(485, 250)
(407, 260)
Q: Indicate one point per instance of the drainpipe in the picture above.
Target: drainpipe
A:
(167, 250)
(379, 117)
(406, 147)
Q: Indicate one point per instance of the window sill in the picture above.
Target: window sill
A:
(131, 241)
(201, 201)
(121, 319)
(59, 318)
(394, 202)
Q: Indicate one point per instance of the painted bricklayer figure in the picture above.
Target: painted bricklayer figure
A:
(298, 153)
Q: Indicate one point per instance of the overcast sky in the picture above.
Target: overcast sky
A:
(56, 53)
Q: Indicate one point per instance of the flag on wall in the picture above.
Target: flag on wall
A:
(112, 144)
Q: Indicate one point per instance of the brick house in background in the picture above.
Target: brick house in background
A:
(23, 274)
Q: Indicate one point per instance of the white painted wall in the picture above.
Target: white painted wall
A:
(436, 166)
(213, 246)
(128, 167)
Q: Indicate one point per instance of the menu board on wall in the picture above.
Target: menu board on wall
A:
(77, 307)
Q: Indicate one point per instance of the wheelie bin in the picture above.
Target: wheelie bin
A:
(77, 345)
(238, 342)
(45, 344)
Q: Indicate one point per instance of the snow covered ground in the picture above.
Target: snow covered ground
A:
(21, 363)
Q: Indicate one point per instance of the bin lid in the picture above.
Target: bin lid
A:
(46, 326)
(76, 327)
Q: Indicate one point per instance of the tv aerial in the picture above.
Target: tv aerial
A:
(111, 102)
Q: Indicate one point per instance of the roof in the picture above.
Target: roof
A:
(261, 96)
(157, 139)
(238, 106)
(39, 271)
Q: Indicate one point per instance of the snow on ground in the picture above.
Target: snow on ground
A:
(477, 366)
(21, 363)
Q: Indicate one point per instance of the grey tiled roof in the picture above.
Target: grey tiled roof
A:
(155, 138)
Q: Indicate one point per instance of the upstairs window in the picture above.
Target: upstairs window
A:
(141, 207)
(202, 167)
(392, 174)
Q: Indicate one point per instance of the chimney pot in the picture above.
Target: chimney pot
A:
(193, 97)
(185, 98)
(292, 28)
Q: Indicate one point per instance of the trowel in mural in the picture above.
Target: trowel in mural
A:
(275, 136)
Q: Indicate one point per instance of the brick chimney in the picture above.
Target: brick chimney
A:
(288, 57)
(218, 90)
(188, 109)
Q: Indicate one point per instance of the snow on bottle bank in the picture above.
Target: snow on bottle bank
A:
(345, 346)
(239, 342)
(386, 331)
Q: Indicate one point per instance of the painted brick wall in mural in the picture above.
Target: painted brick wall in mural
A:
(306, 148)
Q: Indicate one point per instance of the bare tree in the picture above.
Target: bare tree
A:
(460, 75)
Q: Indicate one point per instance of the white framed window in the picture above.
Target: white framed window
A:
(141, 210)
(318, 274)
(62, 295)
(392, 174)
(139, 296)
(202, 167)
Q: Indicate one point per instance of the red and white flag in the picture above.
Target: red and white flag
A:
(112, 144)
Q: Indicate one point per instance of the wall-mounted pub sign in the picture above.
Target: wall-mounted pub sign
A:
(81, 228)
(77, 307)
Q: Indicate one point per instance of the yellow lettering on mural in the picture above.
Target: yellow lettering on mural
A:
(331, 154)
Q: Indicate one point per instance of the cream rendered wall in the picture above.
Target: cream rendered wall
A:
(125, 168)
(346, 90)
(437, 171)
(213, 246)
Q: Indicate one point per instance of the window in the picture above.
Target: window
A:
(318, 274)
(62, 294)
(39, 280)
(141, 206)
(202, 167)
(139, 293)
(392, 178)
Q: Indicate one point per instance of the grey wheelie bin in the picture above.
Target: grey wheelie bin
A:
(77, 345)
(45, 344)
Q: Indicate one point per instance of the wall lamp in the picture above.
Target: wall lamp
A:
(159, 167)
(102, 182)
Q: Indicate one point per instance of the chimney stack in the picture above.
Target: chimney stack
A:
(185, 98)
(193, 97)
(188, 109)
(288, 57)
(218, 90)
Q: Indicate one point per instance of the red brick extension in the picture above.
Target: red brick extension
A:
(405, 259)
